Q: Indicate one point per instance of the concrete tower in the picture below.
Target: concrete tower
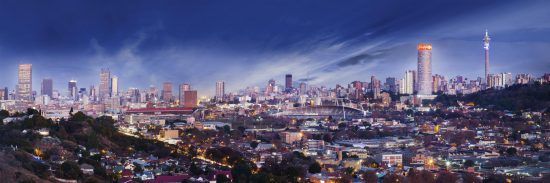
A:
(486, 40)
(425, 69)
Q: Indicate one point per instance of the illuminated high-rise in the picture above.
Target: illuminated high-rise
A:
(424, 69)
(406, 85)
(72, 89)
(183, 87)
(220, 90)
(24, 82)
(114, 86)
(104, 84)
(167, 91)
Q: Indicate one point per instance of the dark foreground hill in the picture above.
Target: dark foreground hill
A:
(534, 97)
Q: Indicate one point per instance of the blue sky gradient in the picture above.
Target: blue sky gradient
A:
(247, 43)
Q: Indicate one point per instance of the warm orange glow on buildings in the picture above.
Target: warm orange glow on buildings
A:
(424, 46)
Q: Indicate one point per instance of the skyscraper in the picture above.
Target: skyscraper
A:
(104, 83)
(375, 87)
(183, 87)
(270, 88)
(390, 85)
(486, 40)
(72, 89)
(24, 83)
(220, 90)
(114, 86)
(425, 69)
(406, 85)
(190, 98)
(167, 91)
(288, 82)
(47, 87)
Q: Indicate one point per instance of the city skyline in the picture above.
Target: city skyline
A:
(374, 48)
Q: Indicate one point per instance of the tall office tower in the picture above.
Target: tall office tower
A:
(6, 93)
(486, 40)
(390, 85)
(270, 88)
(406, 85)
(104, 84)
(375, 87)
(303, 88)
(437, 79)
(288, 82)
(47, 87)
(72, 89)
(190, 98)
(93, 93)
(24, 84)
(183, 87)
(220, 90)
(3, 93)
(167, 92)
(425, 69)
(114, 86)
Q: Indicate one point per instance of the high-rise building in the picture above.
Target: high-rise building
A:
(190, 98)
(270, 88)
(24, 84)
(92, 94)
(288, 82)
(486, 40)
(4, 93)
(437, 80)
(47, 87)
(425, 69)
(104, 84)
(406, 85)
(375, 87)
(114, 86)
(183, 87)
(167, 92)
(390, 85)
(303, 88)
(220, 90)
(72, 89)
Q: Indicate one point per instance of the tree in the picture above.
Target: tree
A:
(31, 111)
(222, 179)
(315, 168)
(370, 177)
(511, 151)
(195, 170)
(253, 144)
(391, 178)
(469, 163)
(446, 177)
(470, 178)
(70, 170)
(4, 114)
(241, 171)
(138, 168)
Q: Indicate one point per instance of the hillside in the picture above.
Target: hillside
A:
(534, 97)
(70, 142)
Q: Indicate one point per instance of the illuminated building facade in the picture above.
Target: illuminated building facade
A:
(425, 69)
